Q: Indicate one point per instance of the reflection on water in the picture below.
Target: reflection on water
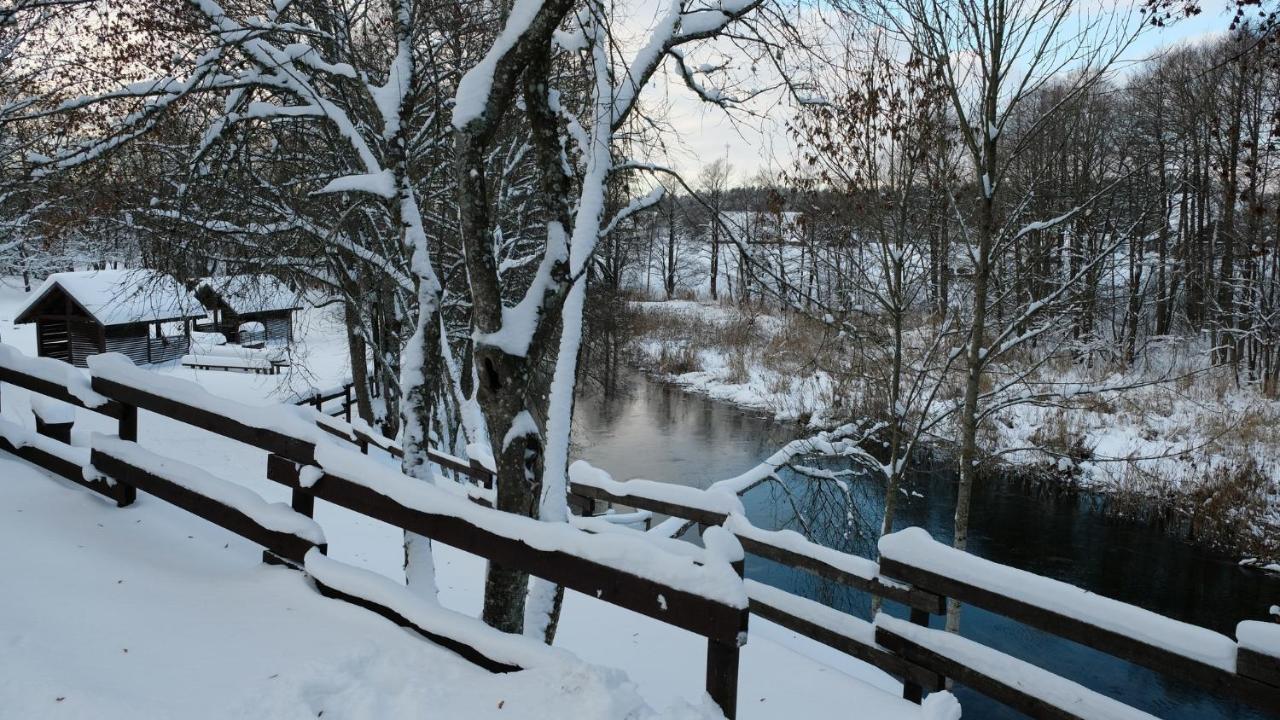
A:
(658, 432)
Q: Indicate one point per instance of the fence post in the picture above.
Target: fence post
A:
(302, 501)
(128, 430)
(489, 476)
(346, 400)
(912, 691)
(722, 669)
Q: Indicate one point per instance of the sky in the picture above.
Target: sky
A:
(702, 133)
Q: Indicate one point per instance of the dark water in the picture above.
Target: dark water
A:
(658, 432)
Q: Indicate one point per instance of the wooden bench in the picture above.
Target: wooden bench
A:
(221, 362)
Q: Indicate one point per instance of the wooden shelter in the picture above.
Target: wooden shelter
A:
(143, 314)
(234, 301)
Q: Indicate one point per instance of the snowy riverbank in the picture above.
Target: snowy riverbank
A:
(1196, 448)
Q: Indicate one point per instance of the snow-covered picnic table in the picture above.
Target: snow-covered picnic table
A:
(223, 362)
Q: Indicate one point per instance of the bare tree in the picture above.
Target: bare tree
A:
(529, 437)
(990, 57)
(713, 180)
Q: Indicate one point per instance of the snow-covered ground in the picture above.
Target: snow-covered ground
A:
(150, 612)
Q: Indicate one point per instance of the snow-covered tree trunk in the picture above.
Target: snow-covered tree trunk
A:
(529, 436)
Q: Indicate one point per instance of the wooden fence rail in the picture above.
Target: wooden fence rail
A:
(284, 545)
(292, 444)
(852, 571)
(711, 619)
(1129, 641)
(920, 656)
(1254, 680)
(364, 439)
(318, 398)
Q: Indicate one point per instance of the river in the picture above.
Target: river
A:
(660, 432)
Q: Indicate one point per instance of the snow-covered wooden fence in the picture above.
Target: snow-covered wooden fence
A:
(318, 456)
(921, 573)
(318, 398)
(700, 591)
(60, 381)
(1177, 649)
(365, 438)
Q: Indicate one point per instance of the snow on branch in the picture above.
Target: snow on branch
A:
(832, 442)
(475, 89)
(276, 68)
(520, 321)
(715, 501)
(676, 28)
(636, 205)
(382, 184)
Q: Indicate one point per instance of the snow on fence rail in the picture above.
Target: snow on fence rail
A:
(715, 507)
(1259, 655)
(365, 437)
(1016, 683)
(851, 635)
(921, 573)
(280, 429)
(317, 398)
(53, 378)
(628, 571)
(285, 533)
(56, 457)
(681, 585)
(463, 634)
(1124, 631)
(702, 593)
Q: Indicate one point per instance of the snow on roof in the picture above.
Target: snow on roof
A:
(252, 293)
(118, 297)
